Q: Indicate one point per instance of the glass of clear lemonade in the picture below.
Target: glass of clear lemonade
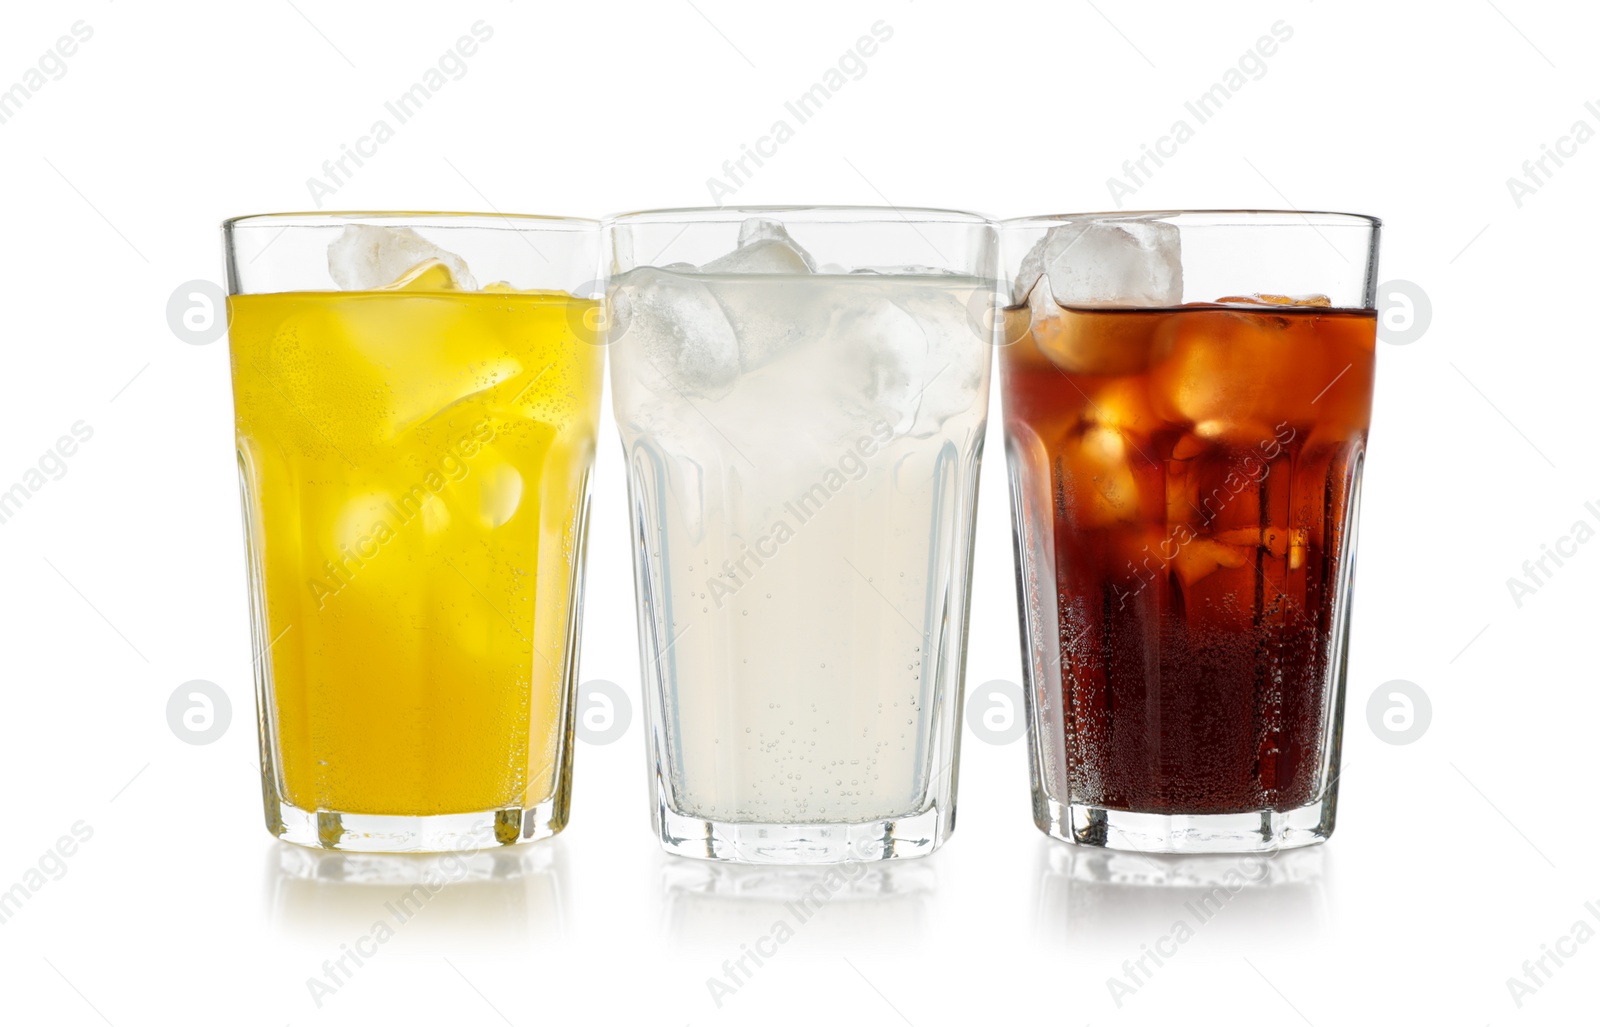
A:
(802, 394)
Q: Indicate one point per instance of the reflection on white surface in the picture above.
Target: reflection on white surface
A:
(509, 894)
(722, 904)
(1086, 896)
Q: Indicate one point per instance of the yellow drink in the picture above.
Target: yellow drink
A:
(414, 462)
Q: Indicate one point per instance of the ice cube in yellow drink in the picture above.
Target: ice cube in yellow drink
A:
(414, 463)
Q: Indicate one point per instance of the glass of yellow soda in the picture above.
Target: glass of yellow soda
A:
(415, 400)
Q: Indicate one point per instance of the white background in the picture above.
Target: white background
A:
(1457, 856)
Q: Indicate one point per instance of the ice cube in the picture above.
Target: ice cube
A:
(1275, 541)
(1098, 473)
(906, 354)
(1235, 376)
(1130, 262)
(769, 319)
(1299, 548)
(1273, 299)
(442, 393)
(1183, 494)
(1199, 557)
(951, 377)
(1085, 343)
(499, 494)
(432, 275)
(677, 339)
(378, 257)
(435, 517)
(765, 248)
(880, 352)
(357, 518)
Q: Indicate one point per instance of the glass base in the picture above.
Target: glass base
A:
(1261, 831)
(451, 832)
(900, 838)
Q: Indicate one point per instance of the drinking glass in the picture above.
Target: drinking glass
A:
(802, 394)
(1187, 396)
(416, 398)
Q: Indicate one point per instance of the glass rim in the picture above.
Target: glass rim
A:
(1240, 217)
(428, 218)
(809, 213)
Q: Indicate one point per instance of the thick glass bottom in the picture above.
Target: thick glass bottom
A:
(1258, 831)
(899, 838)
(453, 832)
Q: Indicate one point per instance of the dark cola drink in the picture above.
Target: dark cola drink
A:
(1185, 480)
